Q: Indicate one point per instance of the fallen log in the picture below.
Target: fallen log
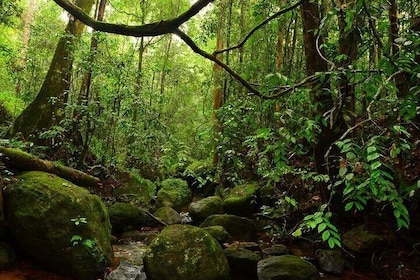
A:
(24, 161)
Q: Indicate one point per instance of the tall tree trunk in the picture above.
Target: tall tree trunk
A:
(321, 95)
(32, 4)
(218, 98)
(47, 109)
(81, 115)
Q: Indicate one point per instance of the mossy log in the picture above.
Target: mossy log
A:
(26, 162)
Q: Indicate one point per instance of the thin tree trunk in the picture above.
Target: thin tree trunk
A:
(321, 95)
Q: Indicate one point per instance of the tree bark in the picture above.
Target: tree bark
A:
(321, 95)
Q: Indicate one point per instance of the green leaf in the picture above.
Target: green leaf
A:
(371, 149)
(348, 206)
(342, 171)
(325, 235)
(297, 232)
(375, 165)
(349, 176)
(373, 156)
(322, 227)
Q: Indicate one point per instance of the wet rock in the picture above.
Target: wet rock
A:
(330, 261)
(127, 271)
(218, 232)
(174, 193)
(184, 252)
(7, 255)
(133, 252)
(276, 250)
(360, 240)
(286, 268)
(126, 217)
(201, 209)
(59, 224)
(243, 262)
(242, 200)
(239, 228)
(168, 215)
(136, 235)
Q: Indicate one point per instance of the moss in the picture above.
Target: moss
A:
(185, 252)
(287, 268)
(241, 200)
(168, 215)
(205, 207)
(125, 217)
(39, 210)
(239, 228)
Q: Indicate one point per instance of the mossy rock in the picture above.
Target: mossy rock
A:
(242, 200)
(174, 193)
(218, 232)
(243, 262)
(136, 189)
(200, 177)
(360, 240)
(286, 268)
(201, 209)
(240, 228)
(168, 215)
(45, 212)
(184, 252)
(125, 217)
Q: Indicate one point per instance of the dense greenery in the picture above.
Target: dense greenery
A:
(345, 131)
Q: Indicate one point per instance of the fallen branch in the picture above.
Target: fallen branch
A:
(23, 161)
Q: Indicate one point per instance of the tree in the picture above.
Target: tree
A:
(46, 110)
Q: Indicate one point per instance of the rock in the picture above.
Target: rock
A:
(136, 235)
(184, 252)
(59, 224)
(200, 178)
(286, 268)
(133, 252)
(239, 228)
(168, 215)
(276, 250)
(7, 255)
(135, 189)
(126, 217)
(243, 262)
(330, 261)
(174, 193)
(127, 271)
(359, 240)
(201, 209)
(242, 200)
(218, 232)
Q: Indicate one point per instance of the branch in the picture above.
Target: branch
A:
(184, 37)
(152, 29)
(267, 20)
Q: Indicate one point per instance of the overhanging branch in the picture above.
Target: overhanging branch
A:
(267, 20)
(151, 29)
(184, 37)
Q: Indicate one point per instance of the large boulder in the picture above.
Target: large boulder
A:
(125, 217)
(184, 252)
(240, 228)
(330, 261)
(201, 209)
(59, 224)
(286, 268)
(243, 262)
(242, 200)
(174, 193)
